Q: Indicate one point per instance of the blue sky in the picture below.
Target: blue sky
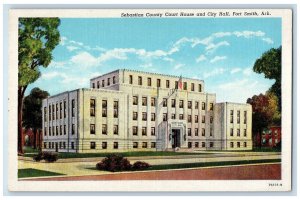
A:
(220, 51)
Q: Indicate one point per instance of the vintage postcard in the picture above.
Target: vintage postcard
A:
(150, 100)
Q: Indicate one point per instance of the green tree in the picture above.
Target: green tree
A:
(264, 112)
(36, 40)
(270, 65)
(32, 111)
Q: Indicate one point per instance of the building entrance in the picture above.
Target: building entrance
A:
(175, 138)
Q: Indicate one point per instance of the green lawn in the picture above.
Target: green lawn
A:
(125, 154)
(26, 173)
(28, 149)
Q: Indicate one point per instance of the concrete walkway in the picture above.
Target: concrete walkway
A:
(86, 166)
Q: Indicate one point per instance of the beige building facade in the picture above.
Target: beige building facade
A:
(128, 110)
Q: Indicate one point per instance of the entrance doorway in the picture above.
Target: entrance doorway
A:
(175, 138)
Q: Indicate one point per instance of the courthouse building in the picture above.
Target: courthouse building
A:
(127, 110)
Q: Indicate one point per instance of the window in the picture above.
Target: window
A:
(181, 116)
(203, 106)
(152, 130)
(104, 129)
(211, 106)
(203, 119)
(114, 80)
(152, 116)
(196, 105)
(134, 130)
(176, 84)
(192, 87)
(231, 132)
(245, 133)
(72, 145)
(197, 144)
(92, 107)
(116, 109)
(134, 116)
(130, 79)
(104, 145)
(189, 132)
(92, 129)
(196, 119)
(45, 114)
(238, 132)
(203, 144)
(45, 145)
(165, 102)
(173, 116)
(238, 144)
(238, 117)
(93, 85)
(203, 131)
(144, 145)
(173, 103)
(199, 88)
(49, 131)
(180, 103)
(231, 116)
(56, 110)
(49, 113)
(231, 145)
(104, 103)
(149, 82)
(196, 132)
(45, 131)
(98, 84)
(153, 101)
(185, 85)
(64, 145)
(153, 145)
(104, 108)
(144, 116)
(56, 130)
(245, 144)
(144, 131)
(60, 130)
(189, 118)
(116, 145)
(93, 145)
(65, 129)
(211, 144)
(73, 108)
(189, 145)
(189, 104)
(158, 83)
(60, 110)
(108, 81)
(135, 100)
(144, 101)
(53, 116)
(167, 84)
(103, 83)
(165, 117)
(245, 117)
(73, 129)
(135, 145)
(140, 80)
(211, 132)
(65, 108)
(116, 129)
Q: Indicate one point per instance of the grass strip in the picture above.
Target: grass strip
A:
(30, 172)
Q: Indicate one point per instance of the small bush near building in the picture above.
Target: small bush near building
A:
(114, 163)
(47, 156)
(139, 165)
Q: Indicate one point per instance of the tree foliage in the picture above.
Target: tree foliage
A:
(32, 110)
(270, 65)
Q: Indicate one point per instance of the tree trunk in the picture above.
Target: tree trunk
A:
(21, 91)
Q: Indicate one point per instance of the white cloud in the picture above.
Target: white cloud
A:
(249, 34)
(268, 40)
(217, 58)
(51, 75)
(76, 43)
(63, 40)
(178, 66)
(248, 71)
(84, 59)
(222, 34)
(235, 70)
(215, 72)
(168, 59)
(212, 47)
(201, 58)
(72, 48)
(147, 66)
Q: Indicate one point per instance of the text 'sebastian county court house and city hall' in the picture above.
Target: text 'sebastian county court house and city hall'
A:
(127, 110)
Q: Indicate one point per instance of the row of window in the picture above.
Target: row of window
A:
(58, 110)
(238, 145)
(57, 145)
(103, 82)
(238, 132)
(59, 130)
(104, 108)
(104, 129)
(203, 145)
(196, 132)
(167, 85)
(238, 116)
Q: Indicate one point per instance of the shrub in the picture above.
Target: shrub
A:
(47, 156)
(139, 165)
(114, 163)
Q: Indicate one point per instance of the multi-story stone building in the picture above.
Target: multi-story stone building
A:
(127, 110)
